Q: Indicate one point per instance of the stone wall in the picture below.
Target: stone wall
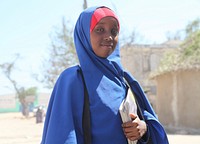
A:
(178, 99)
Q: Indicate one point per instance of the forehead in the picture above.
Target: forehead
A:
(108, 20)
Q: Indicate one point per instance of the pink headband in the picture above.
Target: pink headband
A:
(99, 14)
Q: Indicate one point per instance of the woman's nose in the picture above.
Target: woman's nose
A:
(108, 38)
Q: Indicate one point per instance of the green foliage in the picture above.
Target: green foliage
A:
(23, 93)
(192, 27)
(188, 55)
(191, 47)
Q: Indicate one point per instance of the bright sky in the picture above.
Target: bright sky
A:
(26, 24)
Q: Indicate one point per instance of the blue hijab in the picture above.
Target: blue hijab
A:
(106, 90)
(94, 67)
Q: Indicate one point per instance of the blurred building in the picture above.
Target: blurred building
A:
(9, 102)
(141, 60)
(178, 97)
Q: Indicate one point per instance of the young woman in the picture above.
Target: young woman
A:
(96, 41)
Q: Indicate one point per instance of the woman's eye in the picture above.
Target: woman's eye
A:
(99, 29)
(114, 32)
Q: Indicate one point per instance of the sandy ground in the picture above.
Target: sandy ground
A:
(15, 129)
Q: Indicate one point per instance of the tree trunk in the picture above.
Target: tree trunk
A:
(25, 109)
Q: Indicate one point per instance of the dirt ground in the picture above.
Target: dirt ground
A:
(15, 129)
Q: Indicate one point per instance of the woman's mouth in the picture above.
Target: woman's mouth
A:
(107, 45)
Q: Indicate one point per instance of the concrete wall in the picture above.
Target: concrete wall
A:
(141, 60)
(9, 103)
(177, 103)
(43, 99)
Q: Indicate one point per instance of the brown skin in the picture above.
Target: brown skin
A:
(104, 38)
(134, 129)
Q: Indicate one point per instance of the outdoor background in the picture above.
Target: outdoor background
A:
(29, 30)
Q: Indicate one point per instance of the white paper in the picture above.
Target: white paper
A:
(127, 107)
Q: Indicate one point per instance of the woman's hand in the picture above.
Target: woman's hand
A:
(134, 129)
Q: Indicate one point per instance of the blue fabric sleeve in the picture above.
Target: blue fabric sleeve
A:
(59, 127)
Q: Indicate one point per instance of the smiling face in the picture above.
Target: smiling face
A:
(104, 36)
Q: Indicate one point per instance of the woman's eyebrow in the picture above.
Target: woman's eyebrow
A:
(100, 23)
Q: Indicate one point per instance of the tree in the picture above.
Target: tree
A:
(130, 39)
(192, 27)
(174, 36)
(127, 40)
(26, 96)
(190, 51)
(22, 93)
(62, 55)
(188, 55)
